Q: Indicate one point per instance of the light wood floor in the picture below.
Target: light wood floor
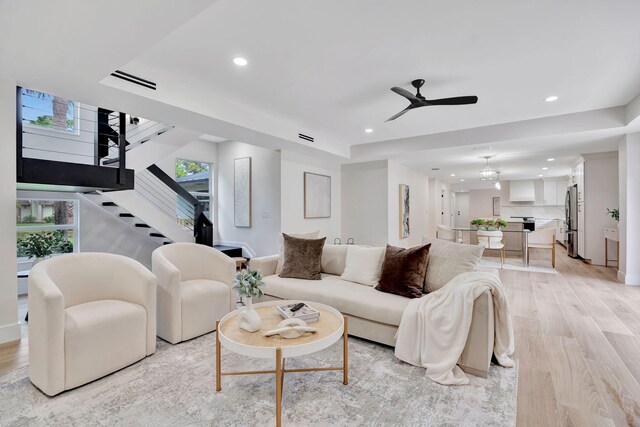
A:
(577, 345)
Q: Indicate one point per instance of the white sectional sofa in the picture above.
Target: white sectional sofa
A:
(373, 315)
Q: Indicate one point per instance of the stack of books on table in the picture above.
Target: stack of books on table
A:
(306, 313)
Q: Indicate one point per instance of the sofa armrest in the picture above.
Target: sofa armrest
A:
(476, 356)
(46, 333)
(266, 265)
(169, 303)
(138, 285)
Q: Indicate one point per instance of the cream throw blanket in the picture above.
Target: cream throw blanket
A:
(433, 330)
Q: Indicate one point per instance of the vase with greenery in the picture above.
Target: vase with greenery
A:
(248, 284)
(43, 244)
(615, 214)
(489, 223)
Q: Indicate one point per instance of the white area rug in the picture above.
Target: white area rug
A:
(535, 266)
(176, 386)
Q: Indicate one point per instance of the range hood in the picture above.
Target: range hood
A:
(522, 191)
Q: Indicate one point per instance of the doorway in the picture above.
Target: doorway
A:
(462, 210)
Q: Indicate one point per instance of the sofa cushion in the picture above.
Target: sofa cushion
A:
(302, 258)
(404, 270)
(348, 297)
(334, 258)
(447, 260)
(202, 303)
(101, 337)
(363, 265)
(311, 235)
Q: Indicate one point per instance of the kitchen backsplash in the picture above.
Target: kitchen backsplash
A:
(551, 212)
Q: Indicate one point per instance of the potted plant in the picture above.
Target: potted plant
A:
(501, 223)
(489, 224)
(478, 222)
(615, 214)
(248, 284)
(43, 244)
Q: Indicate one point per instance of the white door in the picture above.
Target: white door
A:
(461, 213)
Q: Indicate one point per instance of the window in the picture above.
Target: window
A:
(54, 220)
(48, 111)
(196, 178)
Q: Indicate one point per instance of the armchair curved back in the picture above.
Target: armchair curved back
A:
(490, 239)
(196, 261)
(91, 276)
(445, 232)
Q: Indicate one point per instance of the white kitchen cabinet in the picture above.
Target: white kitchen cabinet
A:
(561, 191)
(522, 191)
(550, 193)
(560, 230)
(555, 191)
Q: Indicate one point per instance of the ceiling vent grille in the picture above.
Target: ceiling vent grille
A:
(305, 137)
(134, 79)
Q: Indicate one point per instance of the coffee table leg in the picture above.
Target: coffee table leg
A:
(218, 368)
(345, 352)
(278, 387)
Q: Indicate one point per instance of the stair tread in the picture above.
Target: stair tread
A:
(108, 204)
(126, 215)
(156, 235)
(142, 225)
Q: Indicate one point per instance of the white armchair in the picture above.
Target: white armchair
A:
(90, 314)
(194, 289)
(543, 239)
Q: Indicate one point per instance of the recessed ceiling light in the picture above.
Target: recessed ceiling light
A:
(550, 160)
(540, 175)
(545, 168)
(461, 180)
(453, 174)
(368, 130)
(240, 61)
(551, 98)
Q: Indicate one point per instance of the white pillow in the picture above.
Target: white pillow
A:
(312, 235)
(447, 260)
(363, 265)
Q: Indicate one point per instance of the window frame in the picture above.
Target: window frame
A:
(74, 227)
(210, 193)
(45, 130)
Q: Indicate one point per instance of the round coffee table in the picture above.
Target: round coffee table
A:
(331, 327)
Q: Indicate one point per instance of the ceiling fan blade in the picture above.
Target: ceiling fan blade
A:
(395, 116)
(403, 92)
(458, 100)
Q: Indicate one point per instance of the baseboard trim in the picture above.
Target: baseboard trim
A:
(9, 333)
(628, 279)
(246, 249)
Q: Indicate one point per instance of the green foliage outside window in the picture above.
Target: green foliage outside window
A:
(189, 167)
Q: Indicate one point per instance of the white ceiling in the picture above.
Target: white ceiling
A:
(326, 67)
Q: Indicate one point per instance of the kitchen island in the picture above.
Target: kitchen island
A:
(514, 237)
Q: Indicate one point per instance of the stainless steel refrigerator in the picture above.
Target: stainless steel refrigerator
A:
(571, 213)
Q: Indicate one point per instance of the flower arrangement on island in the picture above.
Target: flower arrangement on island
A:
(489, 223)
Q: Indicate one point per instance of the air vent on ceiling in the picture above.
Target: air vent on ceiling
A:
(134, 79)
(305, 137)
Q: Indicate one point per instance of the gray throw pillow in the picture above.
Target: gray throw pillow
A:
(447, 260)
(302, 258)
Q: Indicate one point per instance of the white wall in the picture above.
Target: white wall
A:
(629, 197)
(262, 237)
(365, 215)
(418, 198)
(9, 327)
(293, 167)
(601, 192)
(461, 214)
(438, 207)
(481, 203)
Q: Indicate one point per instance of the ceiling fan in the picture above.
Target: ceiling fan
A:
(418, 100)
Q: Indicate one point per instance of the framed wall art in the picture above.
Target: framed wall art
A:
(317, 195)
(242, 192)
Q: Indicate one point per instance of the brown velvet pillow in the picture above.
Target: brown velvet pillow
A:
(403, 271)
(302, 258)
